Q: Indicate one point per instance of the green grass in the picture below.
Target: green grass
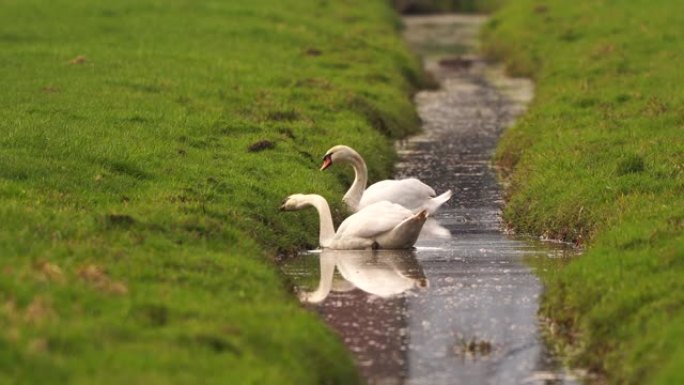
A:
(599, 160)
(138, 232)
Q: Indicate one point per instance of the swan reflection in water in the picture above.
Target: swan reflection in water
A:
(384, 273)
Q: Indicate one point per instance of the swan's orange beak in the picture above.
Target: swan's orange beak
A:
(327, 161)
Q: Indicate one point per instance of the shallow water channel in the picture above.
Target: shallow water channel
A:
(462, 311)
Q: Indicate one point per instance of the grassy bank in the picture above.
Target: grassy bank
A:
(145, 149)
(599, 160)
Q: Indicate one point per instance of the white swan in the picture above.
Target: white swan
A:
(410, 193)
(382, 225)
(384, 273)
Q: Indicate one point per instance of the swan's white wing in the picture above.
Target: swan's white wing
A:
(372, 220)
(410, 193)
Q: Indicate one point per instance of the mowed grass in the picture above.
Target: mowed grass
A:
(599, 160)
(145, 148)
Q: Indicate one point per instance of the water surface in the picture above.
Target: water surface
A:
(462, 311)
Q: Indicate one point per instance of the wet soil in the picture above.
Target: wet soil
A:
(462, 311)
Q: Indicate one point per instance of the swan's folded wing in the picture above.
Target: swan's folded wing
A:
(410, 193)
(372, 220)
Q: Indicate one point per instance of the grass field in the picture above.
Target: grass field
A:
(145, 147)
(599, 160)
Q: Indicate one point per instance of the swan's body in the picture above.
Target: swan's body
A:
(410, 193)
(382, 225)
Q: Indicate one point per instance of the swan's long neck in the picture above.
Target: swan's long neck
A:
(326, 229)
(353, 196)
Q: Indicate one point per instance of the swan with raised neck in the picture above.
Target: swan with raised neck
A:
(346, 154)
(410, 192)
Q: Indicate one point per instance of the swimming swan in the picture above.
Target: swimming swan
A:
(382, 225)
(410, 193)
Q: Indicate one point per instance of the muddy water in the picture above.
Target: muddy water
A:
(462, 311)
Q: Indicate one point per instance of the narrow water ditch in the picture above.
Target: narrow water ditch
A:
(462, 311)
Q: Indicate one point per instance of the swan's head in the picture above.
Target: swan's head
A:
(295, 202)
(339, 153)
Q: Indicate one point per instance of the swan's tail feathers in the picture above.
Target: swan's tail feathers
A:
(406, 233)
(422, 215)
(413, 226)
(433, 230)
(433, 204)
